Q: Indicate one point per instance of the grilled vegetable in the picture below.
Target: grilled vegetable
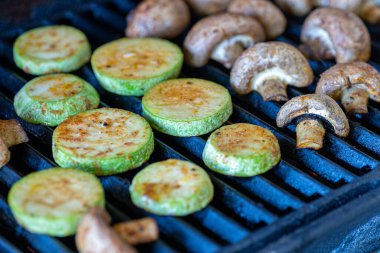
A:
(138, 231)
(103, 141)
(187, 107)
(51, 49)
(242, 150)
(5, 155)
(172, 187)
(131, 66)
(54, 201)
(51, 99)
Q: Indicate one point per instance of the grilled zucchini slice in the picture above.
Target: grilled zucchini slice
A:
(51, 99)
(53, 201)
(103, 141)
(172, 187)
(187, 107)
(51, 49)
(242, 150)
(131, 66)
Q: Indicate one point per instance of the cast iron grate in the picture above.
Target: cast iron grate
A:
(246, 213)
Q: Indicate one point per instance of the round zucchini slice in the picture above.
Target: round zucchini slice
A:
(53, 201)
(172, 187)
(103, 141)
(51, 49)
(132, 66)
(187, 107)
(51, 99)
(242, 150)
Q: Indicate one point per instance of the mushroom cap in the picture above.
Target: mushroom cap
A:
(345, 75)
(348, 5)
(295, 7)
(208, 7)
(207, 33)
(270, 60)
(268, 14)
(331, 32)
(319, 105)
(158, 18)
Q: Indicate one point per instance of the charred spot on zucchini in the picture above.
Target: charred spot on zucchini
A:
(187, 107)
(51, 49)
(53, 201)
(51, 99)
(172, 187)
(103, 141)
(130, 66)
(242, 150)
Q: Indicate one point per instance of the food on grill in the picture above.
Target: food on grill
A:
(187, 107)
(330, 33)
(172, 187)
(242, 150)
(296, 7)
(353, 84)
(268, 14)
(208, 7)
(158, 18)
(54, 201)
(95, 235)
(221, 37)
(51, 49)
(309, 112)
(130, 66)
(11, 133)
(51, 99)
(138, 231)
(103, 141)
(268, 68)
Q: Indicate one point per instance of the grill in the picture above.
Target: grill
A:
(247, 214)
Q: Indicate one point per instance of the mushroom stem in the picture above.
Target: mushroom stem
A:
(355, 100)
(273, 90)
(310, 133)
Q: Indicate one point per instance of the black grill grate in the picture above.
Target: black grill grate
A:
(246, 213)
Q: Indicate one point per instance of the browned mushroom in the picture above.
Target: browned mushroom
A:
(268, 68)
(309, 112)
(352, 83)
(370, 11)
(348, 5)
(5, 155)
(208, 7)
(221, 37)
(330, 33)
(137, 231)
(296, 7)
(158, 18)
(270, 17)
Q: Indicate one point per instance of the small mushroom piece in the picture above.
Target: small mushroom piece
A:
(370, 11)
(5, 155)
(12, 132)
(138, 231)
(296, 7)
(268, 14)
(221, 37)
(329, 33)
(208, 7)
(158, 18)
(353, 84)
(348, 5)
(268, 68)
(309, 112)
(94, 235)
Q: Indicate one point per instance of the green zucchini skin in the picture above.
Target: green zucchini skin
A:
(31, 50)
(131, 66)
(111, 141)
(51, 99)
(43, 202)
(172, 187)
(242, 150)
(191, 123)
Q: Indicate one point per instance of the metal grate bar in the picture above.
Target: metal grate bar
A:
(7, 247)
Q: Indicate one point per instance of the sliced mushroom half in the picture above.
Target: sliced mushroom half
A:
(329, 33)
(309, 112)
(353, 84)
(268, 68)
(208, 7)
(296, 7)
(158, 18)
(221, 37)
